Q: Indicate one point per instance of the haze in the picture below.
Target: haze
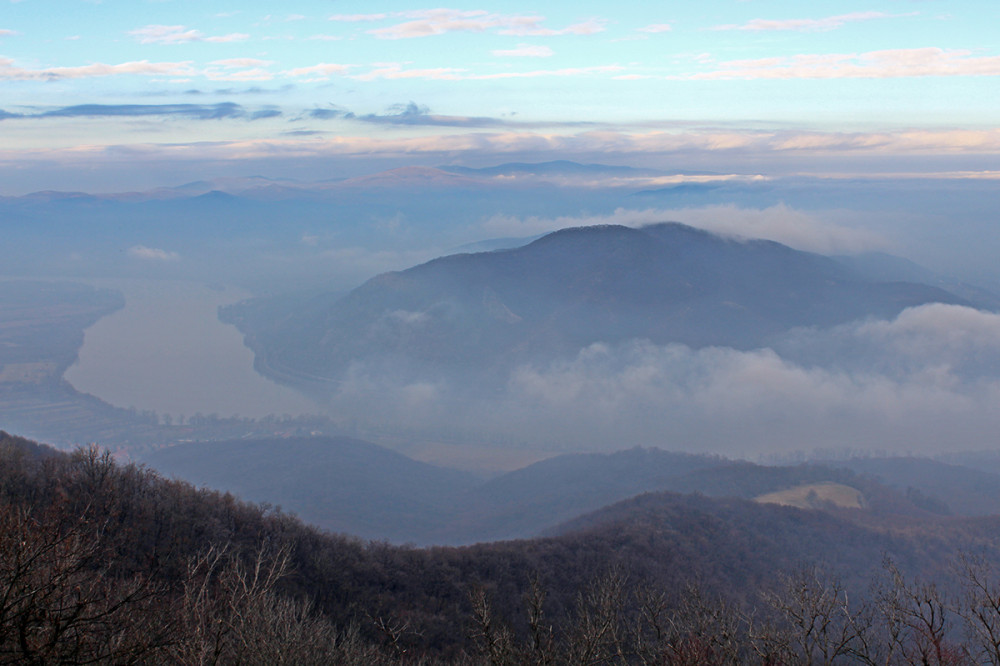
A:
(295, 156)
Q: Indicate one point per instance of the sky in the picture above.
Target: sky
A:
(111, 94)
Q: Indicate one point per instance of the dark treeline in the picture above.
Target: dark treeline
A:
(108, 563)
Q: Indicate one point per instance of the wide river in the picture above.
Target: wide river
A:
(168, 352)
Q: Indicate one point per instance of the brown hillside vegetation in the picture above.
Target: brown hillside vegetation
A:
(109, 563)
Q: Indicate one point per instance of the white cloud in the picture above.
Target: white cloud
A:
(655, 28)
(179, 34)
(525, 51)
(895, 63)
(567, 71)
(428, 22)
(323, 69)
(152, 253)
(798, 229)
(803, 231)
(396, 71)
(242, 62)
(916, 384)
(531, 27)
(8, 33)
(9, 71)
(239, 69)
(399, 71)
(805, 25)
(354, 18)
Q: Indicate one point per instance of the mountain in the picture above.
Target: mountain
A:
(481, 314)
(341, 484)
(114, 561)
(350, 486)
(884, 267)
(554, 168)
(966, 490)
(413, 177)
(526, 501)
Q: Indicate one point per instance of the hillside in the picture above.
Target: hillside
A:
(136, 549)
(477, 315)
(341, 484)
(355, 487)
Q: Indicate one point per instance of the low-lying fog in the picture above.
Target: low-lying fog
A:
(927, 380)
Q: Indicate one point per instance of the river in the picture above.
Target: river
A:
(167, 351)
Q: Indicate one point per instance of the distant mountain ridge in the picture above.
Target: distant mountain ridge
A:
(485, 312)
(346, 485)
(403, 177)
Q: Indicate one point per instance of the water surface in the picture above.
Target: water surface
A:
(168, 352)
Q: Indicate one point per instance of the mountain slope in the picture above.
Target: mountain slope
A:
(338, 483)
(668, 283)
(346, 485)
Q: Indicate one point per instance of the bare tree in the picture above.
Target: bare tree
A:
(979, 608)
(58, 603)
(917, 622)
(815, 618)
(492, 636)
(598, 634)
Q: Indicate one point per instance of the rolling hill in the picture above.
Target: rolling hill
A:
(476, 316)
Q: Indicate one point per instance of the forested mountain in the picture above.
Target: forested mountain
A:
(347, 485)
(478, 315)
(111, 563)
(341, 484)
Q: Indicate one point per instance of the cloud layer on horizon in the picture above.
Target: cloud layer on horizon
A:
(781, 223)
(927, 381)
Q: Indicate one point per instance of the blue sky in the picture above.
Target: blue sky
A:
(172, 83)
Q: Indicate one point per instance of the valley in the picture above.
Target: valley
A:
(673, 416)
(511, 334)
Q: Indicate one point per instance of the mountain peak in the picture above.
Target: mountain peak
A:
(665, 283)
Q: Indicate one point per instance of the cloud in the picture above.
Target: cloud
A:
(896, 63)
(567, 71)
(8, 33)
(781, 223)
(425, 23)
(10, 72)
(262, 114)
(328, 113)
(525, 51)
(923, 382)
(179, 34)
(951, 341)
(252, 90)
(355, 18)
(530, 28)
(411, 114)
(321, 70)
(238, 69)
(534, 141)
(391, 71)
(806, 25)
(190, 111)
(242, 62)
(152, 253)
(438, 22)
(655, 28)
(798, 229)
(417, 115)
